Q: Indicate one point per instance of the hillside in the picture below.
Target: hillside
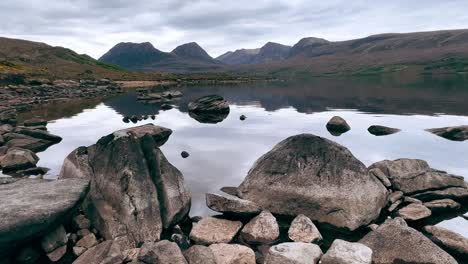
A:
(145, 57)
(270, 52)
(21, 57)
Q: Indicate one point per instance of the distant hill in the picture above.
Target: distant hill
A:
(145, 57)
(270, 52)
(41, 60)
(239, 57)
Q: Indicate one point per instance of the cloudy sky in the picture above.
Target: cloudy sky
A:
(94, 26)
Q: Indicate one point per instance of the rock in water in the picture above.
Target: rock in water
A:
(212, 230)
(262, 229)
(337, 126)
(161, 252)
(232, 254)
(133, 196)
(382, 130)
(184, 154)
(294, 253)
(395, 242)
(459, 133)
(448, 240)
(31, 208)
(209, 109)
(302, 229)
(310, 175)
(343, 252)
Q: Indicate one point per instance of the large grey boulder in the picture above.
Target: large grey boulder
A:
(343, 252)
(212, 230)
(209, 109)
(230, 204)
(161, 252)
(395, 242)
(199, 255)
(294, 253)
(232, 254)
(302, 229)
(26, 142)
(105, 253)
(31, 208)
(18, 159)
(310, 175)
(452, 242)
(415, 176)
(458, 133)
(262, 229)
(135, 192)
(337, 126)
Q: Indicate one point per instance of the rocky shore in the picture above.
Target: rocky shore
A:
(308, 200)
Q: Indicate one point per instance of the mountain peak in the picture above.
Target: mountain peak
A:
(192, 50)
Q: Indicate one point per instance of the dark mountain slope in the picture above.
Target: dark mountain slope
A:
(270, 52)
(192, 51)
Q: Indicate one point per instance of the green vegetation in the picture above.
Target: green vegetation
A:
(449, 64)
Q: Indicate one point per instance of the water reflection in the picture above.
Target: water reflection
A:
(221, 154)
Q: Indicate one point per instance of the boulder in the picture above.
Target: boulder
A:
(414, 212)
(337, 126)
(26, 142)
(31, 208)
(294, 253)
(209, 109)
(343, 252)
(212, 230)
(161, 252)
(395, 242)
(35, 122)
(444, 205)
(452, 242)
(310, 175)
(382, 130)
(87, 241)
(381, 176)
(18, 159)
(199, 255)
(454, 193)
(133, 196)
(414, 176)
(106, 252)
(5, 128)
(262, 229)
(40, 134)
(230, 204)
(302, 229)
(54, 239)
(232, 254)
(458, 133)
(395, 196)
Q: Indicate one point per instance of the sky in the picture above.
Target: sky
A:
(95, 26)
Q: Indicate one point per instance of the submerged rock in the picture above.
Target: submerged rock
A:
(294, 253)
(337, 126)
(31, 208)
(212, 230)
(382, 130)
(395, 242)
(262, 229)
(230, 204)
(133, 196)
(232, 254)
(343, 252)
(458, 133)
(302, 229)
(344, 194)
(452, 242)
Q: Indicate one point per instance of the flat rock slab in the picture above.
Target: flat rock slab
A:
(212, 230)
(230, 204)
(30, 208)
(459, 133)
(452, 242)
(414, 212)
(382, 130)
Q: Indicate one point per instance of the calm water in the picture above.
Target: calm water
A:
(221, 154)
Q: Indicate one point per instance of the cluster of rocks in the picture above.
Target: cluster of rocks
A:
(137, 118)
(308, 200)
(19, 144)
(40, 92)
(338, 126)
(161, 95)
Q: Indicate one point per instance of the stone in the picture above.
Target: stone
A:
(229, 190)
(35, 122)
(395, 242)
(83, 232)
(395, 196)
(18, 159)
(294, 253)
(443, 205)
(212, 230)
(343, 252)
(458, 133)
(108, 252)
(414, 176)
(337, 126)
(382, 130)
(81, 222)
(394, 206)
(30, 208)
(454, 193)
(232, 254)
(54, 239)
(184, 154)
(409, 200)
(302, 229)
(262, 229)
(34, 171)
(381, 176)
(161, 252)
(452, 242)
(344, 194)
(242, 117)
(230, 204)
(40, 134)
(26, 142)
(133, 196)
(5, 128)
(414, 212)
(131, 254)
(57, 254)
(199, 255)
(76, 165)
(78, 251)
(209, 109)
(87, 241)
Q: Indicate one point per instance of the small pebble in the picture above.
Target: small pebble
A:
(243, 117)
(185, 154)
